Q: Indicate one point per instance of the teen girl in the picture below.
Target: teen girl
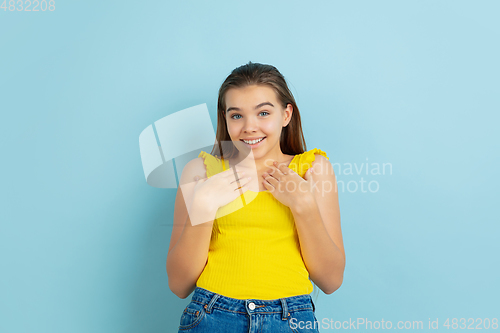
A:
(262, 225)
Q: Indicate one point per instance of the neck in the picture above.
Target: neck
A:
(260, 163)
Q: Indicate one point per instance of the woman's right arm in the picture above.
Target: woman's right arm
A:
(188, 250)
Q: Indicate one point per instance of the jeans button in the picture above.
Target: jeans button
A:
(251, 306)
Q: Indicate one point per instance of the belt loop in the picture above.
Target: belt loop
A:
(208, 307)
(285, 308)
(312, 302)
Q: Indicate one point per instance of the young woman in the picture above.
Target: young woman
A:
(257, 220)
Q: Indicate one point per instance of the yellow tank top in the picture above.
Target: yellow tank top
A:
(254, 249)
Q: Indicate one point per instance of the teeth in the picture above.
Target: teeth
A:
(253, 141)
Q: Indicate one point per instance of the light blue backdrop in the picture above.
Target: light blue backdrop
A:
(84, 239)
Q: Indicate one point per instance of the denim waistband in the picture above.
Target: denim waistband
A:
(212, 300)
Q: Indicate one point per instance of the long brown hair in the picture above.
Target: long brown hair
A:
(292, 140)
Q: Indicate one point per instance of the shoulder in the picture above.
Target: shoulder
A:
(210, 164)
(195, 167)
(319, 159)
(322, 166)
(323, 170)
(318, 155)
(312, 156)
(302, 162)
(317, 152)
(196, 164)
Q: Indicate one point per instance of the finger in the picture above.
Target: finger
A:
(242, 176)
(244, 186)
(237, 172)
(279, 169)
(232, 174)
(275, 172)
(284, 169)
(268, 186)
(271, 180)
(240, 180)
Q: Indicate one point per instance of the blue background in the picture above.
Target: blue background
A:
(84, 239)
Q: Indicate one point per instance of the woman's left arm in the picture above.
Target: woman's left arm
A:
(317, 219)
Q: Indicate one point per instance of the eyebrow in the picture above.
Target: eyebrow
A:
(258, 106)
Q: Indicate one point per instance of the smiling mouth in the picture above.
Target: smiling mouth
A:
(251, 144)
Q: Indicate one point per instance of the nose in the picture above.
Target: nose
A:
(250, 125)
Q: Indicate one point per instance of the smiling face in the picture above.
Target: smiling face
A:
(254, 112)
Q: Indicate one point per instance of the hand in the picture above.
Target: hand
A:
(287, 186)
(220, 189)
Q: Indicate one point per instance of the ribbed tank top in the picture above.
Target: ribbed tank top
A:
(254, 248)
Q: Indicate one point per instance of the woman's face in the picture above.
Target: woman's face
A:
(253, 112)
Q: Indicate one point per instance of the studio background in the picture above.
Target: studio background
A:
(84, 238)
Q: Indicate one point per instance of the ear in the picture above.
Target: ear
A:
(287, 117)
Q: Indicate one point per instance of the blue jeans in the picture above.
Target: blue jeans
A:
(214, 313)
